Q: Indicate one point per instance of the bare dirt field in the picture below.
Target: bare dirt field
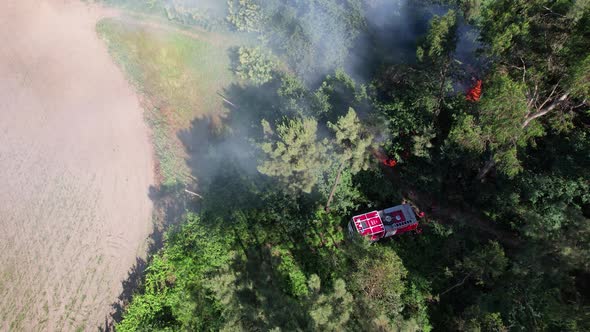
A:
(75, 169)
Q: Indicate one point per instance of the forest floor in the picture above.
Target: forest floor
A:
(77, 168)
(467, 217)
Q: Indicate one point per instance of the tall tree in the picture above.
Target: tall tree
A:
(294, 154)
(353, 145)
(498, 126)
(329, 311)
(245, 15)
(544, 46)
(436, 52)
(255, 65)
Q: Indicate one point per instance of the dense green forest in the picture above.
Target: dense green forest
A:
(322, 86)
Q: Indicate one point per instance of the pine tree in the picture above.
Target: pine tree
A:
(353, 145)
(294, 154)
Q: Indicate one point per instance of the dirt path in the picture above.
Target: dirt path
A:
(76, 167)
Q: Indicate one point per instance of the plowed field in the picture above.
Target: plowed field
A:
(75, 169)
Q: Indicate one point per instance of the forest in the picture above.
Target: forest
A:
(475, 112)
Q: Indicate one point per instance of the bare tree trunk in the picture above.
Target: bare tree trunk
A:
(336, 182)
(486, 168)
(227, 101)
(443, 80)
(193, 193)
(457, 285)
(544, 111)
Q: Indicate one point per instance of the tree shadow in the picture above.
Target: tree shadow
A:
(215, 144)
(254, 103)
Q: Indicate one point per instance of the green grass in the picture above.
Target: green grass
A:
(177, 73)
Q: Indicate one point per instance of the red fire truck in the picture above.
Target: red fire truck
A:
(377, 225)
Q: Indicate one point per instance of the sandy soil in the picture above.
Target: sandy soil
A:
(75, 169)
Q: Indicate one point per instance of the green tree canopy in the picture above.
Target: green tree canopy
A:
(440, 41)
(539, 51)
(245, 15)
(353, 142)
(499, 125)
(294, 154)
(255, 65)
(329, 311)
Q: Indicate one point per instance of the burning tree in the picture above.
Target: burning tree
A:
(474, 94)
(540, 70)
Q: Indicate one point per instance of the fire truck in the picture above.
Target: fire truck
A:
(381, 224)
